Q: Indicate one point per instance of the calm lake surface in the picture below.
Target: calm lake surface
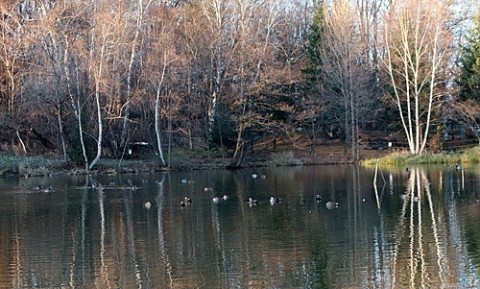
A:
(417, 228)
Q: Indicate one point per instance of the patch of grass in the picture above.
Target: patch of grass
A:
(285, 158)
(471, 156)
(468, 156)
(7, 161)
(27, 166)
(184, 154)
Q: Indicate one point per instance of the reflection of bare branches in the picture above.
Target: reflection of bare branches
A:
(411, 237)
(161, 233)
(71, 274)
(375, 185)
(418, 186)
(17, 260)
(219, 238)
(434, 226)
(463, 180)
(377, 197)
(419, 229)
(131, 238)
(103, 266)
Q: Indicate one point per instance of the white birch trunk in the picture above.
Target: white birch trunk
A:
(100, 127)
(99, 110)
(158, 132)
(419, 52)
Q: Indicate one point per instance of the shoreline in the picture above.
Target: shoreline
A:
(37, 166)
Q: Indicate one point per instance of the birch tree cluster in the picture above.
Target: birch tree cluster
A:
(89, 79)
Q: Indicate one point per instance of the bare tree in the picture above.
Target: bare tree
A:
(13, 38)
(417, 42)
(215, 13)
(242, 60)
(141, 10)
(102, 47)
(162, 56)
(195, 54)
(72, 76)
(346, 73)
(466, 112)
(73, 38)
(52, 40)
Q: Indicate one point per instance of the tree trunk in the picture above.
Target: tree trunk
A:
(99, 110)
(60, 130)
(169, 129)
(79, 120)
(237, 158)
(217, 82)
(157, 127)
(80, 132)
(100, 128)
(314, 137)
(75, 102)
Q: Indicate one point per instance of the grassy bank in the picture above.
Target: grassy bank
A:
(30, 166)
(27, 166)
(467, 156)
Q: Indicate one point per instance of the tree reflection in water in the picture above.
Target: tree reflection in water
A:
(104, 237)
(418, 254)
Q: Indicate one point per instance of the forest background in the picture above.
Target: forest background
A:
(85, 80)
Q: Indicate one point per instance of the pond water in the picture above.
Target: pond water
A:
(416, 228)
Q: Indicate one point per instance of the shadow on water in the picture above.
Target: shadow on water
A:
(300, 227)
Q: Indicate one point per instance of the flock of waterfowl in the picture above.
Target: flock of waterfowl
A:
(275, 200)
(250, 201)
(217, 199)
(187, 201)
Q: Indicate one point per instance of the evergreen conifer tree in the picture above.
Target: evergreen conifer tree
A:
(313, 71)
(469, 80)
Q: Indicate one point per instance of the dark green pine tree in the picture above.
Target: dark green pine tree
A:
(309, 108)
(313, 71)
(469, 80)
